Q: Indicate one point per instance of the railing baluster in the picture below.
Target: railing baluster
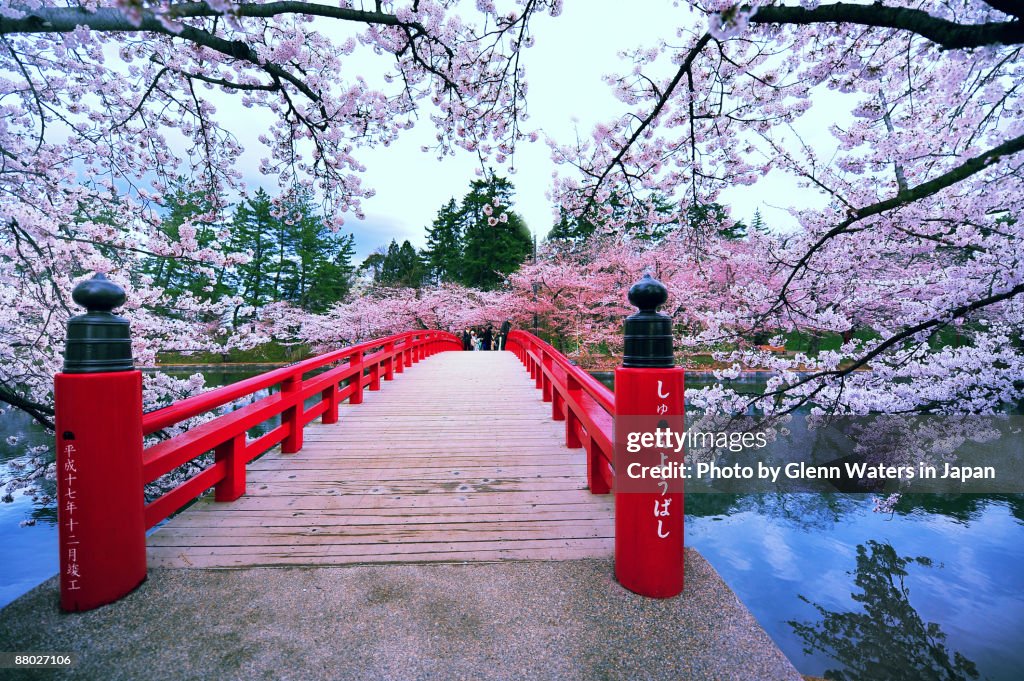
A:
(572, 420)
(595, 475)
(389, 366)
(330, 395)
(232, 452)
(357, 379)
(545, 379)
(375, 374)
(292, 416)
(399, 358)
(557, 405)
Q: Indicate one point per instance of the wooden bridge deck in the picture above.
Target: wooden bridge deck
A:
(455, 460)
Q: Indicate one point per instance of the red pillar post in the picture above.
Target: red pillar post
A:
(232, 487)
(389, 364)
(98, 399)
(292, 442)
(572, 422)
(399, 360)
(649, 413)
(545, 382)
(356, 380)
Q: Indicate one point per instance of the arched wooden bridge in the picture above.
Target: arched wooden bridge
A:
(403, 449)
(423, 453)
(462, 457)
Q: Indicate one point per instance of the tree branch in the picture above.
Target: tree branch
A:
(108, 19)
(949, 34)
(684, 69)
(39, 412)
(969, 167)
(909, 332)
(1012, 7)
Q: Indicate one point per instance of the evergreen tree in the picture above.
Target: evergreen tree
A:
(333, 276)
(570, 230)
(758, 223)
(374, 262)
(317, 269)
(401, 266)
(706, 219)
(495, 239)
(295, 256)
(186, 206)
(443, 255)
(254, 230)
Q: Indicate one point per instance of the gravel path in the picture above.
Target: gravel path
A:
(561, 620)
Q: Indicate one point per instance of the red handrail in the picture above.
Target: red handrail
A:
(585, 404)
(226, 434)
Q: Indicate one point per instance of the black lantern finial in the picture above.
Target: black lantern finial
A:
(98, 340)
(648, 333)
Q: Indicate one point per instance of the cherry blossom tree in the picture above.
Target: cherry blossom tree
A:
(105, 107)
(920, 231)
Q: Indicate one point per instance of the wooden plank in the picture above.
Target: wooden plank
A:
(455, 460)
(362, 517)
(411, 459)
(419, 472)
(176, 558)
(413, 488)
(473, 500)
(391, 534)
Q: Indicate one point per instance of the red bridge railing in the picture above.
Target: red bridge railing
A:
(585, 404)
(103, 464)
(361, 366)
(649, 397)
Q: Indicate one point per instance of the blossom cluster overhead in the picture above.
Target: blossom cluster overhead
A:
(105, 105)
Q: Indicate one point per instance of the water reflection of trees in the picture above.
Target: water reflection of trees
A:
(804, 510)
(823, 510)
(887, 639)
(961, 507)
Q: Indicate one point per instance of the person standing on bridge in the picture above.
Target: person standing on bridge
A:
(466, 340)
(505, 328)
(488, 338)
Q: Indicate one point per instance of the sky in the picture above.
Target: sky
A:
(566, 94)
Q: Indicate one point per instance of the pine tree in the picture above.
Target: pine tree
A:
(758, 223)
(318, 269)
(570, 230)
(401, 266)
(333, 275)
(254, 229)
(177, 275)
(443, 255)
(495, 239)
(706, 219)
